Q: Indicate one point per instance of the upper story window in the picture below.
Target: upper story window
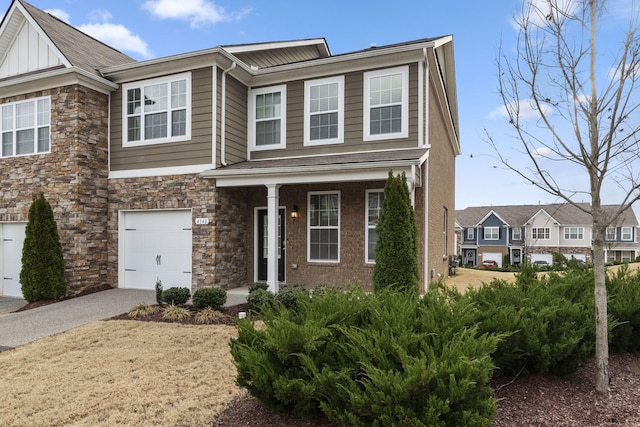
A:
(573, 233)
(267, 118)
(541, 233)
(626, 234)
(610, 234)
(516, 233)
(386, 104)
(324, 111)
(491, 233)
(26, 127)
(324, 226)
(157, 111)
(471, 233)
(374, 207)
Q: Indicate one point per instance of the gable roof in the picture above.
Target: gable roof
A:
(53, 43)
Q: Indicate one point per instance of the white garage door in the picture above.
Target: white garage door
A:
(494, 256)
(11, 240)
(542, 257)
(157, 245)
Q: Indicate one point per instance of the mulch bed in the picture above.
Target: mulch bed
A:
(230, 315)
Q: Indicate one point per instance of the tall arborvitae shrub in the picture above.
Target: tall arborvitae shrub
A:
(42, 274)
(397, 247)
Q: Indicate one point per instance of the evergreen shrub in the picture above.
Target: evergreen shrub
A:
(42, 273)
(209, 297)
(623, 289)
(176, 296)
(378, 359)
(259, 299)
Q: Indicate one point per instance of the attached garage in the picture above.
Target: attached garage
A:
(542, 257)
(493, 256)
(155, 245)
(11, 241)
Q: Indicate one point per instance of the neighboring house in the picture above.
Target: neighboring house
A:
(530, 233)
(189, 169)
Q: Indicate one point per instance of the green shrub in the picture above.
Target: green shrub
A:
(159, 291)
(370, 359)
(173, 312)
(42, 273)
(290, 296)
(209, 297)
(176, 296)
(260, 299)
(258, 285)
(624, 307)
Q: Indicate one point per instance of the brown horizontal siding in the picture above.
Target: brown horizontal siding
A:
(353, 120)
(236, 121)
(198, 150)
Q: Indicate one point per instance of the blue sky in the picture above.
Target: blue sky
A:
(146, 29)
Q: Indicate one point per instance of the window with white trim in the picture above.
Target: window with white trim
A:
(386, 104)
(626, 234)
(324, 226)
(26, 127)
(471, 233)
(573, 233)
(540, 233)
(267, 118)
(610, 234)
(324, 111)
(516, 233)
(626, 256)
(157, 110)
(491, 233)
(374, 207)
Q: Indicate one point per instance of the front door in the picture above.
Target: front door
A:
(263, 250)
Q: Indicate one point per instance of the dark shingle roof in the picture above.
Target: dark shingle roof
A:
(81, 50)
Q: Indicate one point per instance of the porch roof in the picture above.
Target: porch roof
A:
(363, 166)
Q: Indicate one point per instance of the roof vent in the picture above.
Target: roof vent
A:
(373, 46)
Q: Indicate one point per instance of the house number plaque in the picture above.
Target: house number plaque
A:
(202, 221)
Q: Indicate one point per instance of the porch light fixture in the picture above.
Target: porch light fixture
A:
(294, 212)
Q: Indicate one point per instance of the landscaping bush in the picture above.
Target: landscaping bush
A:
(173, 312)
(549, 322)
(259, 299)
(370, 359)
(623, 290)
(209, 297)
(290, 296)
(176, 296)
(42, 273)
(159, 291)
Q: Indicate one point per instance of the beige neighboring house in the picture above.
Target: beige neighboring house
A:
(531, 233)
(222, 167)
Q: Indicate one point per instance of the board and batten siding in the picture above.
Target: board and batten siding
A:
(196, 151)
(353, 121)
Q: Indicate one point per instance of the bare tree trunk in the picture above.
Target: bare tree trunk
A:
(602, 328)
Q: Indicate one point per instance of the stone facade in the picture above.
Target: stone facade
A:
(72, 177)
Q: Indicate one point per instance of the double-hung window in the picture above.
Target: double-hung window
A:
(540, 233)
(491, 233)
(374, 207)
(573, 233)
(471, 233)
(610, 234)
(626, 234)
(324, 111)
(157, 111)
(26, 127)
(324, 226)
(516, 233)
(386, 104)
(267, 118)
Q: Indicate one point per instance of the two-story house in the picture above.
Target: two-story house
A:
(530, 233)
(189, 169)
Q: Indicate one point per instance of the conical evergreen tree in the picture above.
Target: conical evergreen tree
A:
(397, 247)
(42, 274)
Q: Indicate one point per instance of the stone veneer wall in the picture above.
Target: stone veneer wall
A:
(73, 178)
(219, 254)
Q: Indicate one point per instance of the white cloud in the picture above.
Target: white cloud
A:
(115, 35)
(198, 12)
(60, 14)
(524, 109)
(543, 152)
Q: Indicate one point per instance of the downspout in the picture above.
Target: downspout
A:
(223, 115)
(425, 180)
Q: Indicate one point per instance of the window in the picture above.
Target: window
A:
(471, 233)
(540, 233)
(386, 100)
(573, 233)
(610, 234)
(26, 127)
(374, 206)
(324, 227)
(267, 118)
(627, 234)
(626, 256)
(611, 256)
(517, 233)
(324, 111)
(491, 233)
(157, 111)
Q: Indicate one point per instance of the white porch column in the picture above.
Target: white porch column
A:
(273, 202)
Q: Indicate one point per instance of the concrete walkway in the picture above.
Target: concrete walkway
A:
(26, 326)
